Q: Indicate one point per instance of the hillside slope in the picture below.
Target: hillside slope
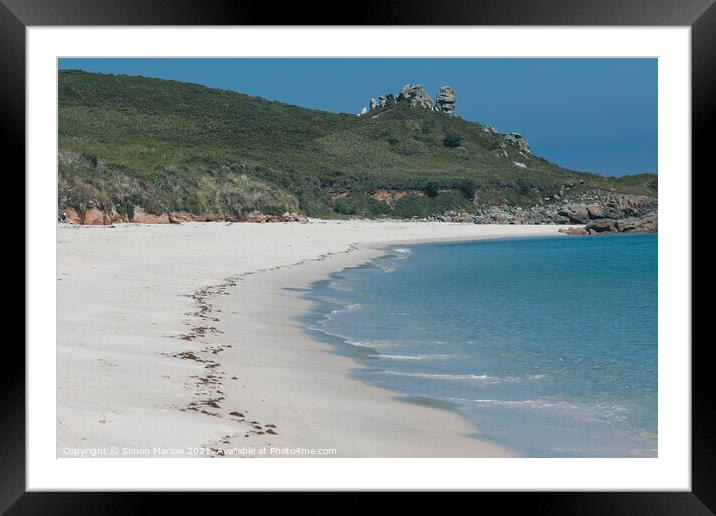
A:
(165, 146)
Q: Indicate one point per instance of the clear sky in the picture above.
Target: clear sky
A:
(595, 115)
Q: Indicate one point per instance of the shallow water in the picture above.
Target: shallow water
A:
(546, 345)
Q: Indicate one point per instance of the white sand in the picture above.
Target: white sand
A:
(123, 298)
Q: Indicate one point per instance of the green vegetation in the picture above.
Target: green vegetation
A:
(170, 146)
(452, 140)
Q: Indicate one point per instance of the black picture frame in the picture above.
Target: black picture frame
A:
(700, 15)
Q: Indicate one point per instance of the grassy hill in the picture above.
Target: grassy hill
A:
(171, 146)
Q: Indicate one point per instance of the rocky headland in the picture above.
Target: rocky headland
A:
(148, 151)
(594, 213)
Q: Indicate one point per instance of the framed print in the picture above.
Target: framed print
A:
(440, 249)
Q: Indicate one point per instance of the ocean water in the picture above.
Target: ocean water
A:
(545, 345)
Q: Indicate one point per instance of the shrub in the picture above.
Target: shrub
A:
(452, 140)
(450, 200)
(431, 188)
(361, 205)
(468, 187)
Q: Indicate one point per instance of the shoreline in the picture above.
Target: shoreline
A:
(246, 374)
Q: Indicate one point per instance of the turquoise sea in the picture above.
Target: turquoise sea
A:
(545, 345)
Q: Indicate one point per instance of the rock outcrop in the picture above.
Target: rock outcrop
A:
(595, 211)
(71, 216)
(95, 216)
(573, 231)
(445, 100)
(417, 97)
(286, 217)
(601, 226)
(518, 140)
(625, 213)
(382, 101)
(576, 214)
(646, 224)
(142, 217)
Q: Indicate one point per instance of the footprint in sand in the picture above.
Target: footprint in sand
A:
(106, 417)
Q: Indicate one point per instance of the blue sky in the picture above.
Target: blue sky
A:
(595, 115)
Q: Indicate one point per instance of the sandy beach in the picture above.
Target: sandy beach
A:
(178, 340)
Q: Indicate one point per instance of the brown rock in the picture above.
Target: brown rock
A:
(295, 217)
(204, 217)
(210, 216)
(601, 226)
(255, 216)
(72, 217)
(595, 211)
(117, 218)
(647, 224)
(381, 195)
(578, 214)
(258, 217)
(573, 231)
(95, 217)
(185, 216)
(141, 217)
